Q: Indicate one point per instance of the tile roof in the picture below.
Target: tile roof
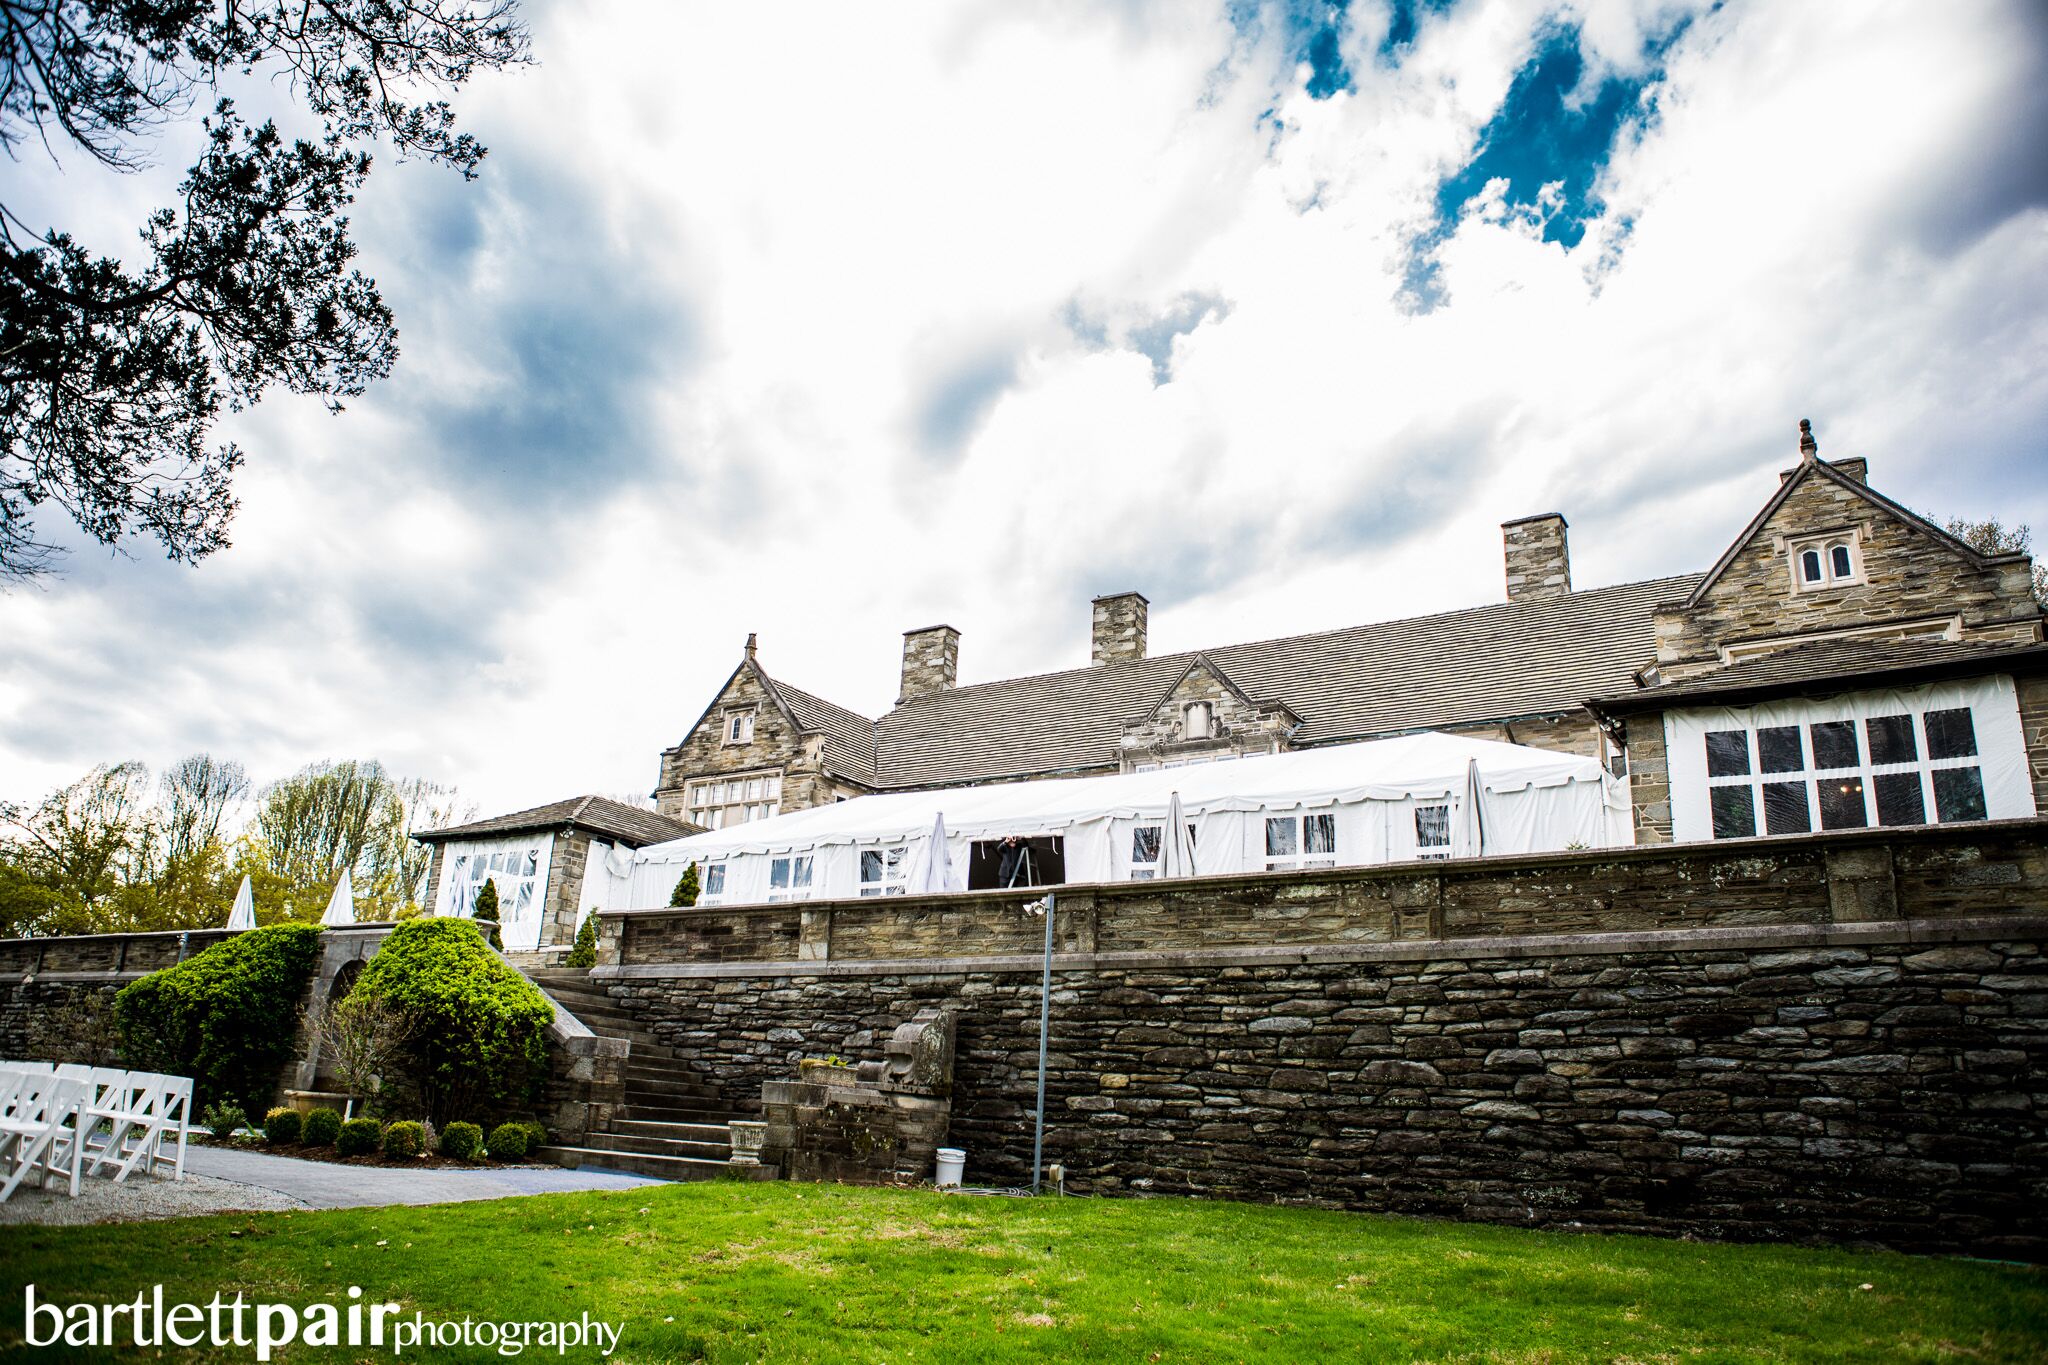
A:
(598, 814)
(848, 738)
(1851, 662)
(1497, 662)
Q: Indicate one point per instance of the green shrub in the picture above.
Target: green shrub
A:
(479, 1038)
(321, 1126)
(224, 1017)
(584, 952)
(508, 1142)
(223, 1119)
(687, 887)
(283, 1126)
(461, 1141)
(358, 1137)
(404, 1140)
(536, 1137)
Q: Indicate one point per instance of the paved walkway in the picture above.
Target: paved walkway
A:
(325, 1185)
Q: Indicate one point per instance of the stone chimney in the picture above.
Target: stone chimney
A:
(1539, 561)
(1119, 629)
(1857, 468)
(931, 661)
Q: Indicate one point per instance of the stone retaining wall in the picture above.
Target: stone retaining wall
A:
(1870, 1082)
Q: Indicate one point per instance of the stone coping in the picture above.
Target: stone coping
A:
(1446, 869)
(1978, 929)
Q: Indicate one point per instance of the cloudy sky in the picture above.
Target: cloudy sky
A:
(830, 321)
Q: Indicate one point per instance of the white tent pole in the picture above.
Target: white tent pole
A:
(1044, 1023)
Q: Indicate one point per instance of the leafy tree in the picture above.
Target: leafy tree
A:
(1992, 538)
(687, 889)
(198, 794)
(112, 373)
(84, 839)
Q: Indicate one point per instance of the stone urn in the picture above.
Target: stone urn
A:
(747, 1137)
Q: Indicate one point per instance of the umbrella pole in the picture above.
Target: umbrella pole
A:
(1044, 1022)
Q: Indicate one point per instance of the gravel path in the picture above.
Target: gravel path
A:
(141, 1197)
(225, 1180)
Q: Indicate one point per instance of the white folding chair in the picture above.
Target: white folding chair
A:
(33, 1128)
(144, 1114)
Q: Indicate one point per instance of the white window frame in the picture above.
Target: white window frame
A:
(796, 871)
(722, 800)
(893, 878)
(1849, 543)
(737, 726)
(1139, 869)
(711, 881)
(1300, 858)
(520, 891)
(1433, 849)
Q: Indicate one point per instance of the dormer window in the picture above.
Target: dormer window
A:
(739, 727)
(1200, 721)
(1827, 562)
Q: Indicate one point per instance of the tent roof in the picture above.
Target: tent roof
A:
(1423, 765)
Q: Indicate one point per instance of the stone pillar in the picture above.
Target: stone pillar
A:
(1539, 561)
(931, 661)
(1118, 634)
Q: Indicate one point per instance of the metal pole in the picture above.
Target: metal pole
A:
(1044, 1022)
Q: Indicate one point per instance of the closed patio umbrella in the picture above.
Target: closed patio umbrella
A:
(937, 872)
(243, 916)
(341, 907)
(1177, 846)
(1468, 833)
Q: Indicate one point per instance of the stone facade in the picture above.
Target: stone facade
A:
(2033, 699)
(775, 744)
(1117, 628)
(1538, 557)
(1912, 583)
(870, 1123)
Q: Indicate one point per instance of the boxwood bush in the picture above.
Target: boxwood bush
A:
(283, 1126)
(403, 1141)
(358, 1137)
(321, 1127)
(223, 1016)
(508, 1142)
(460, 1141)
(479, 1041)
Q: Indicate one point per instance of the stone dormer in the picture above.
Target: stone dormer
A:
(1203, 715)
(1829, 557)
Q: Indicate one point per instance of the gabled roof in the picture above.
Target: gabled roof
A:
(848, 738)
(615, 820)
(1850, 662)
(1816, 468)
(1199, 659)
(1497, 662)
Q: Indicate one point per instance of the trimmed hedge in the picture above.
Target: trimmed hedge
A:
(283, 1126)
(461, 1141)
(403, 1141)
(508, 1142)
(321, 1127)
(358, 1137)
(479, 1042)
(223, 1017)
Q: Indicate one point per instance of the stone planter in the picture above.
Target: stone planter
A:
(306, 1101)
(746, 1141)
(816, 1071)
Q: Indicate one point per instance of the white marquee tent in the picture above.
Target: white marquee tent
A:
(1347, 805)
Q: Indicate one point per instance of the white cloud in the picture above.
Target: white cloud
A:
(861, 218)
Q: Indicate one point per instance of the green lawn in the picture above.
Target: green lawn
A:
(729, 1272)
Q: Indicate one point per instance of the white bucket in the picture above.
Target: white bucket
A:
(951, 1161)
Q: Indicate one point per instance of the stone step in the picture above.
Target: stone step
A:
(679, 1132)
(651, 1146)
(661, 1167)
(662, 1086)
(640, 1111)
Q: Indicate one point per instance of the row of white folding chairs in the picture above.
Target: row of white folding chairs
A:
(50, 1114)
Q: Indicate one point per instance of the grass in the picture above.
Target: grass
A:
(730, 1272)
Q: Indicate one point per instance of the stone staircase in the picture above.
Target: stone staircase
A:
(673, 1123)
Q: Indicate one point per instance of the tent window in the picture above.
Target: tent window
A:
(1433, 831)
(883, 871)
(1145, 852)
(1044, 863)
(1297, 841)
(1839, 774)
(714, 882)
(789, 879)
(1200, 719)
(515, 870)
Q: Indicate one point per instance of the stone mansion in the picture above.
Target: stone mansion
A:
(1844, 663)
